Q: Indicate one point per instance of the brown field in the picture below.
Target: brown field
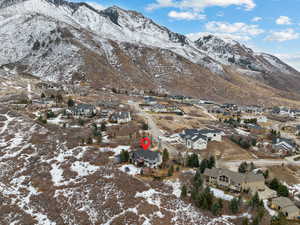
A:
(173, 123)
(285, 173)
(227, 151)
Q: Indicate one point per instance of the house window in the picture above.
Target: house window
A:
(223, 179)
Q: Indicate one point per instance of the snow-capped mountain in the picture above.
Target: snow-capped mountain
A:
(60, 40)
(230, 52)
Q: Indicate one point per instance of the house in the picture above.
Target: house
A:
(230, 106)
(150, 100)
(104, 114)
(255, 129)
(234, 181)
(286, 206)
(295, 113)
(284, 146)
(212, 134)
(198, 138)
(82, 110)
(217, 110)
(146, 158)
(108, 104)
(253, 109)
(192, 139)
(121, 117)
(159, 108)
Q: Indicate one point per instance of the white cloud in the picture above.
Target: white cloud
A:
(284, 35)
(186, 15)
(199, 5)
(283, 20)
(256, 19)
(96, 5)
(236, 31)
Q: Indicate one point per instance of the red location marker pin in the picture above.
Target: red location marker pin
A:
(145, 143)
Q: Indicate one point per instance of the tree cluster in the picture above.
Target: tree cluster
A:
(246, 167)
(252, 121)
(192, 160)
(280, 188)
(50, 114)
(274, 134)
(233, 122)
(245, 143)
(207, 163)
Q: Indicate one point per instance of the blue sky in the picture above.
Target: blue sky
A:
(271, 26)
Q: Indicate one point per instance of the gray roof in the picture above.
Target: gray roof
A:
(234, 176)
(209, 131)
(253, 126)
(192, 134)
(291, 209)
(286, 140)
(81, 106)
(145, 154)
(282, 202)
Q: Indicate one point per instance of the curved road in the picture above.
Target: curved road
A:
(153, 128)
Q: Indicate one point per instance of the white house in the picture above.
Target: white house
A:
(284, 145)
(121, 117)
(197, 141)
(199, 138)
(82, 110)
(192, 139)
(212, 135)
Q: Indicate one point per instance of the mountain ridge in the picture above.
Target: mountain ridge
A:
(120, 39)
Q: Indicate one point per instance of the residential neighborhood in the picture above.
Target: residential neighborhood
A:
(236, 152)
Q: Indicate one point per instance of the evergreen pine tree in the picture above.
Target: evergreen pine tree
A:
(211, 162)
(171, 171)
(234, 206)
(215, 209)
(203, 165)
(71, 103)
(165, 157)
(183, 191)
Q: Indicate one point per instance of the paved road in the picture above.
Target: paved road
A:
(258, 162)
(154, 129)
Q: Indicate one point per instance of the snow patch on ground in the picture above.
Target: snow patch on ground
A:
(176, 185)
(117, 150)
(83, 168)
(131, 169)
(57, 174)
(220, 194)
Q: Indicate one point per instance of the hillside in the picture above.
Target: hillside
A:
(63, 41)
